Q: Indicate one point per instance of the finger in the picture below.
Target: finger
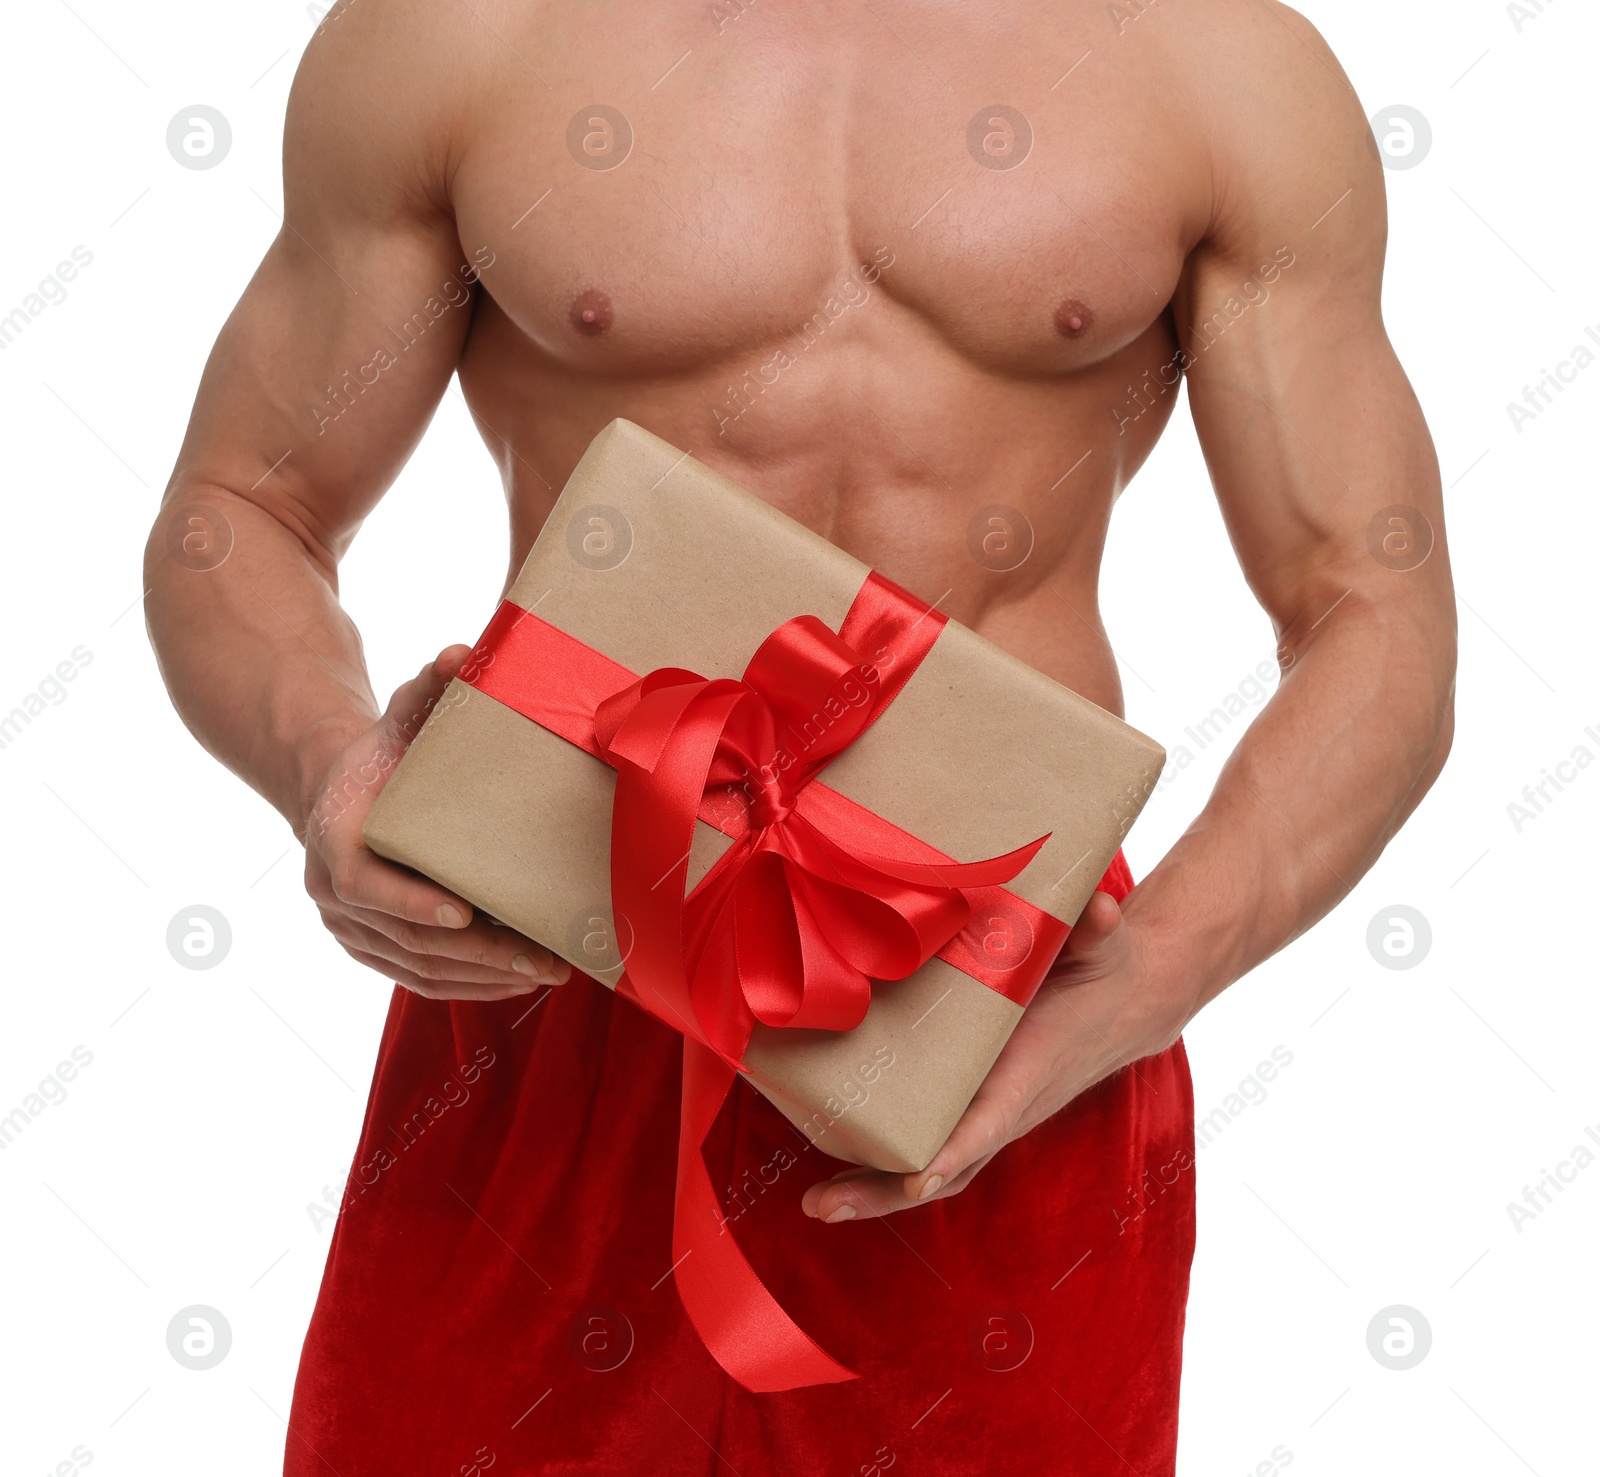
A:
(439, 989)
(481, 942)
(410, 705)
(855, 1195)
(811, 1201)
(989, 1123)
(868, 1192)
(412, 701)
(1100, 919)
(449, 662)
(865, 1194)
(984, 1128)
(353, 934)
(363, 879)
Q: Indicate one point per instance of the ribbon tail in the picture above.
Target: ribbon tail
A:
(738, 1320)
(990, 872)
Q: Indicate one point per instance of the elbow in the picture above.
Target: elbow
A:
(190, 534)
(1436, 748)
(1445, 679)
(1447, 731)
(191, 537)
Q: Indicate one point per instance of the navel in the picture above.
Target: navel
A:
(591, 312)
(1073, 318)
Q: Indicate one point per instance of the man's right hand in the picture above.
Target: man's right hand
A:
(409, 929)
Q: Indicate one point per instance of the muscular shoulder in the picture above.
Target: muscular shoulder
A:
(1282, 119)
(374, 114)
(1292, 160)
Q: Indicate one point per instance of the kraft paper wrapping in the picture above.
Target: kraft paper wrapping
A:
(656, 560)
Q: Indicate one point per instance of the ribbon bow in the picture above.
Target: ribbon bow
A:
(794, 920)
(792, 924)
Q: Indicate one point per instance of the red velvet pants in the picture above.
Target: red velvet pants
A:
(498, 1297)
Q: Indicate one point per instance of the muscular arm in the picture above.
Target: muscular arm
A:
(319, 386)
(1310, 430)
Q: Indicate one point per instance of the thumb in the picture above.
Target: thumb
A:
(414, 700)
(450, 661)
(1096, 925)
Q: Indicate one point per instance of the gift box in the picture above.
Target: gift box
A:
(657, 561)
(912, 818)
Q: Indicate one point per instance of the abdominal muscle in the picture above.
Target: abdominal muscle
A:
(988, 494)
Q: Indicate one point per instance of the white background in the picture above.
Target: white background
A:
(220, 1104)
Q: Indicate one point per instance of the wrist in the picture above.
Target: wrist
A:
(313, 756)
(1173, 972)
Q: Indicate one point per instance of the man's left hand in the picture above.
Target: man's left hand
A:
(1102, 1006)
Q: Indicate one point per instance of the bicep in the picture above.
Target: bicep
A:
(328, 369)
(1308, 423)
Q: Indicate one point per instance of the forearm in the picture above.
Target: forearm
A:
(262, 663)
(1349, 744)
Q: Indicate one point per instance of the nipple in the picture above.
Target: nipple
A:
(1073, 318)
(591, 312)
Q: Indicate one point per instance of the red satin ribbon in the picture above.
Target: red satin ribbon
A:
(816, 897)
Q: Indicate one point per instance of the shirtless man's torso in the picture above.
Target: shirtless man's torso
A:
(888, 269)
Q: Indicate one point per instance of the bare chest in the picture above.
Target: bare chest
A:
(658, 189)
